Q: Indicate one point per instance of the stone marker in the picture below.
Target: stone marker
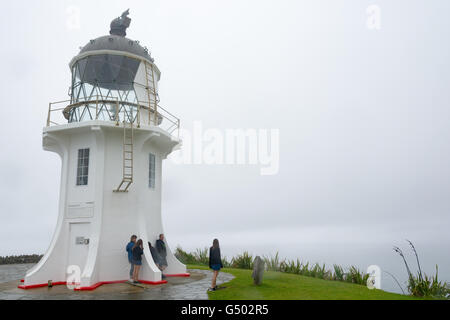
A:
(258, 270)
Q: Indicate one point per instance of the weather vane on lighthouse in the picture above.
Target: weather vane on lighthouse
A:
(112, 136)
(120, 24)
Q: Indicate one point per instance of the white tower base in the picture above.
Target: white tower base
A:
(94, 223)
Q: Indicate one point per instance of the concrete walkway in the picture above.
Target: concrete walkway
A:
(191, 288)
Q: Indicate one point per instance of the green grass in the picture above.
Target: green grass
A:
(284, 286)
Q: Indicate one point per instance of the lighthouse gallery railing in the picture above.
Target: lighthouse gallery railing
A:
(114, 110)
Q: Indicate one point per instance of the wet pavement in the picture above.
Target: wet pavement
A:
(184, 288)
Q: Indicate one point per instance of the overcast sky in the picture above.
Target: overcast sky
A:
(363, 117)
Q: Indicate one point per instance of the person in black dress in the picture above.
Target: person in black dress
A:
(215, 263)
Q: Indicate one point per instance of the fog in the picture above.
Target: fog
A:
(363, 118)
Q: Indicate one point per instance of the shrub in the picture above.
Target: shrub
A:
(226, 263)
(201, 256)
(292, 266)
(272, 263)
(317, 271)
(185, 257)
(422, 285)
(242, 261)
(339, 274)
(356, 276)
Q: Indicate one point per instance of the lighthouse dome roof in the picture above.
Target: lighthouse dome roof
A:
(116, 43)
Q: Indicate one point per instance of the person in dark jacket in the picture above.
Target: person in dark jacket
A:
(162, 251)
(156, 259)
(215, 263)
(155, 255)
(138, 251)
(129, 249)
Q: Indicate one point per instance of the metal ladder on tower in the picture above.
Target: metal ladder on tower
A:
(151, 90)
(128, 137)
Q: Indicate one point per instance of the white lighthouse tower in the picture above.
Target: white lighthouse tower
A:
(112, 136)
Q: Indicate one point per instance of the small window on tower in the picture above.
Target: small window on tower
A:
(152, 171)
(83, 167)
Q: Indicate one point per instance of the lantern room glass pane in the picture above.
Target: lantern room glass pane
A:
(103, 81)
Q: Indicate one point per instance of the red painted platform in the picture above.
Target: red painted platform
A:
(98, 284)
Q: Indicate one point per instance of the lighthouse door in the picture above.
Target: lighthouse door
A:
(79, 244)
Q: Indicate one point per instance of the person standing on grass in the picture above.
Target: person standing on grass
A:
(129, 249)
(215, 263)
(138, 251)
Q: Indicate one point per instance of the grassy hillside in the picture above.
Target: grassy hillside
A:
(283, 286)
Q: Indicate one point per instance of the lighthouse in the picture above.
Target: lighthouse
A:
(112, 136)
